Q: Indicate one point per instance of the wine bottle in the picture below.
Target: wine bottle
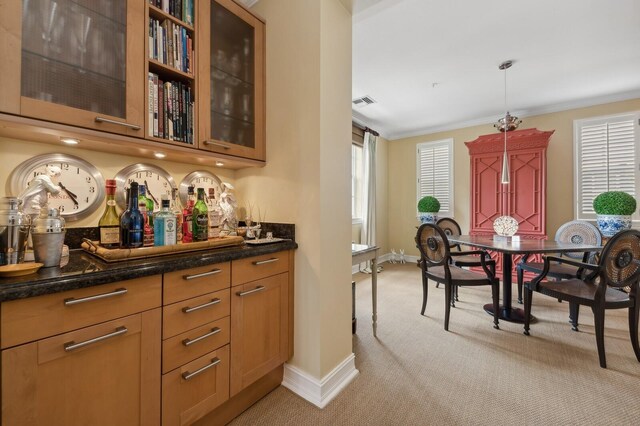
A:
(164, 224)
(132, 221)
(109, 223)
(142, 189)
(214, 215)
(187, 213)
(176, 209)
(147, 234)
(200, 218)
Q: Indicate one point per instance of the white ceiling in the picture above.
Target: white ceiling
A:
(432, 65)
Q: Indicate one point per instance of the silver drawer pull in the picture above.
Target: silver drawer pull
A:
(202, 274)
(119, 123)
(221, 145)
(262, 262)
(186, 375)
(187, 309)
(70, 346)
(255, 290)
(213, 332)
(73, 301)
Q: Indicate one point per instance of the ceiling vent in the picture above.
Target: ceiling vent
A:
(363, 101)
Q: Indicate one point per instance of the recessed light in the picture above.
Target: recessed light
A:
(70, 141)
(219, 163)
(160, 154)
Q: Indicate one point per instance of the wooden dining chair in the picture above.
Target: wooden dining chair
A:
(437, 265)
(574, 232)
(599, 288)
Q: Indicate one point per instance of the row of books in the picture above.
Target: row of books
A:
(181, 9)
(170, 44)
(170, 109)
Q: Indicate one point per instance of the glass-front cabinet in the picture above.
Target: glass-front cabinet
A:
(231, 80)
(81, 62)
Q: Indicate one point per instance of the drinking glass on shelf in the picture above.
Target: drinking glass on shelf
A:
(227, 100)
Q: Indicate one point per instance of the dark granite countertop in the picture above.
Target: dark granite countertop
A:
(86, 270)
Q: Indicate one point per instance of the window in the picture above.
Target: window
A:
(435, 173)
(357, 177)
(606, 159)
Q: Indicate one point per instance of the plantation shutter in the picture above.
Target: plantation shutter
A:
(435, 173)
(606, 159)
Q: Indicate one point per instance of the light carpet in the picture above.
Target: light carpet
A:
(415, 373)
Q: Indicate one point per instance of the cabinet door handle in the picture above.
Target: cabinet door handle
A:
(255, 290)
(213, 332)
(262, 262)
(70, 346)
(187, 309)
(119, 123)
(186, 375)
(221, 145)
(73, 301)
(202, 274)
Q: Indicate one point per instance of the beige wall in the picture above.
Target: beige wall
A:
(14, 152)
(560, 204)
(307, 177)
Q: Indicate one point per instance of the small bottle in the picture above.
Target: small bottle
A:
(132, 221)
(214, 216)
(176, 209)
(109, 223)
(148, 203)
(164, 225)
(187, 213)
(200, 218)
(147, 236)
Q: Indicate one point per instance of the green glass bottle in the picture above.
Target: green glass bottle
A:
(200, 218)
(149, 203)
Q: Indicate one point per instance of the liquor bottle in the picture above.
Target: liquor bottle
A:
(176, 209)
(109, 223)
(132, 221)
(147, 235)
(187, 213)
(142, 189)
(164, 224)
(200, 218)
(214, 215)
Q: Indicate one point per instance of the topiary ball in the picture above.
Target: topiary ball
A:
(614, 202)
(429, 204)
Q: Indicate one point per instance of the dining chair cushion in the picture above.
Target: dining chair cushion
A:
(583, 293)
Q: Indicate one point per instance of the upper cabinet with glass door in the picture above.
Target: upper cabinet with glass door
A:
(81, 62)
(231, 80)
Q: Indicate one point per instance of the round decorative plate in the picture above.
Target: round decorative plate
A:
(506, 226)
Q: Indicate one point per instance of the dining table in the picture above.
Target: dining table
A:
(510, 247)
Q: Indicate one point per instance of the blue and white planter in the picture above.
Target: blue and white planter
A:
(611, 224)
(426, 217)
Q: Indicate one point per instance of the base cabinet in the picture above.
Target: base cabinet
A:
(66, 380)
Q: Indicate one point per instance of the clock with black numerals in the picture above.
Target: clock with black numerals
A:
(157, 181)
(81, 183)
(201, 179)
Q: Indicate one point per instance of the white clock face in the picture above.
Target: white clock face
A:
(156, 180)
(506, 226)
(201, 179)
(79, 184)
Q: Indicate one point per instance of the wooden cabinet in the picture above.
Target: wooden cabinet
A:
(105, 373)
(231, 80)
(74, 62)
(524, 198)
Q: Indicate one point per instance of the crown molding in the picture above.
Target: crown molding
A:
(564, 106)
(365, 122)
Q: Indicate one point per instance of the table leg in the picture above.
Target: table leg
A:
(507, 312)
(374, 291)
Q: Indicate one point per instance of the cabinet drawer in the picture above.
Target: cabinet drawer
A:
(188, 346)
(30, 319)
(189, 314)
(254, 268)
(182, 285)
(190, 392)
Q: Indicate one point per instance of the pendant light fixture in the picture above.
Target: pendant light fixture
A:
(506, 124)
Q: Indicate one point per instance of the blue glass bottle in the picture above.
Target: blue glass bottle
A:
(132, 221)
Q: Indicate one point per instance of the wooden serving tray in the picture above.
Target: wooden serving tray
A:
(116, 255)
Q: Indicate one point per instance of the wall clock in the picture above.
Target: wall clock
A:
(157, 180)
(81, 183)
(200, 179)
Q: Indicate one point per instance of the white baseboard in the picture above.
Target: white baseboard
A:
(320, 392)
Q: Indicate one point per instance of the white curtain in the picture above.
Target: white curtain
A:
(369, 202)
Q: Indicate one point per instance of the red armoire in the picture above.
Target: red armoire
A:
(524, 198)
